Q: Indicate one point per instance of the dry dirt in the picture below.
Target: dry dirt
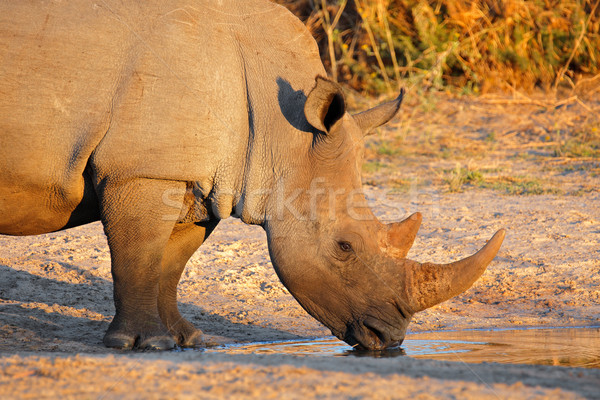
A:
(56, 294)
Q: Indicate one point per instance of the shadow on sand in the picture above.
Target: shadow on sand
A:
(43, 314)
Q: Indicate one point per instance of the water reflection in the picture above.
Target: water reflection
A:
(574, 347)
(385, 353)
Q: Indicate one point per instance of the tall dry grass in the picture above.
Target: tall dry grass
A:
(477, 45)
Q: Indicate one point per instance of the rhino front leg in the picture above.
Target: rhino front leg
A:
(184, 241)
(138, 225)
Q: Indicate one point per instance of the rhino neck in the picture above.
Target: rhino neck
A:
(273, 181)
(259, 176)
(279, 136)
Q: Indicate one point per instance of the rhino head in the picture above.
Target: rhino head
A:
(345, 268)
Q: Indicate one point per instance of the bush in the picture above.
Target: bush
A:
(477, 45)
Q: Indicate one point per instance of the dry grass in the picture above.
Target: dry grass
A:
(462, 178)
(475, 46)
(457, 143)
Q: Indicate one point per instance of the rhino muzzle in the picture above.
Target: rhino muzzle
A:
(375, 334)
(424, 285)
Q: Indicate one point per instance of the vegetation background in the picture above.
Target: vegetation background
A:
(468, 45)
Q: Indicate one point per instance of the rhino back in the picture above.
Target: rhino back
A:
(164, 89)
(57, 78)
(209, 98)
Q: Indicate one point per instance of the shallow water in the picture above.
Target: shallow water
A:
(573, 347)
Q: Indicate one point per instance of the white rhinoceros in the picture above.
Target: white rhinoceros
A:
(160, 118)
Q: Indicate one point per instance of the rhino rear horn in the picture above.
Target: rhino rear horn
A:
(377, 116)
(430, 284)
(325, 104)
(400, 236)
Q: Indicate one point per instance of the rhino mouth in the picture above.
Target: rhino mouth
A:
(373, 334)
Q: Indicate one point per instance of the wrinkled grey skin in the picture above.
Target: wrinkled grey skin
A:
(162, 118)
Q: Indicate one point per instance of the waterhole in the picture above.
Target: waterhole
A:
(573, 347)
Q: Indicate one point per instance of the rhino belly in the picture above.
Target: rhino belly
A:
(30, 207)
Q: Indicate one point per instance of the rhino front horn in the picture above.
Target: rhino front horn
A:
(430, 284)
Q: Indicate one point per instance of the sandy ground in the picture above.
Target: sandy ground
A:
(56, 290)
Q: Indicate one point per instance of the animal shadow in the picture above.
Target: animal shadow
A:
(42, 314)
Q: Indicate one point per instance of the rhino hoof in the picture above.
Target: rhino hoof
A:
(196, 339)
(119, 341)
(157, 343)
(127, 342)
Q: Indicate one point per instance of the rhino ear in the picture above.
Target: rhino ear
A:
(377, 116)
(325, 104)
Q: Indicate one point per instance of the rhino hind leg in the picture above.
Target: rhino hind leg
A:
(184, 241)
(138, 225)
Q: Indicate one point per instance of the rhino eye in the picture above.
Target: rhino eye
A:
(345, 246)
